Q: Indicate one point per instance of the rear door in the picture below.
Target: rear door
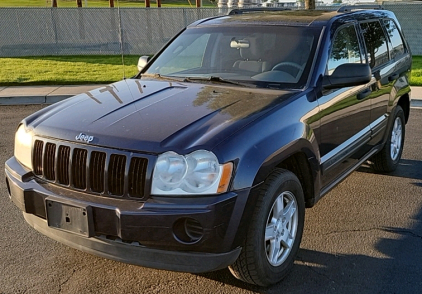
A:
(388, 57)
(377, 56)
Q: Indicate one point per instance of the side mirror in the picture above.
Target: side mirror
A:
(143, 60)
(347, 75)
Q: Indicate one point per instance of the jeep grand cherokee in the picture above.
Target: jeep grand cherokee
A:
(208, 158)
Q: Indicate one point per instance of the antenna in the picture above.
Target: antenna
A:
(121, 37)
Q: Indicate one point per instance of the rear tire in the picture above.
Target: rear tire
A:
(388, 158)
(275, 231)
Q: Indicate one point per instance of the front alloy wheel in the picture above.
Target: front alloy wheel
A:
(274, 233)
(281, 229)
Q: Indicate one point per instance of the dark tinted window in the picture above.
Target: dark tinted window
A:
(397, 47)
(345, 48)
(376, 44)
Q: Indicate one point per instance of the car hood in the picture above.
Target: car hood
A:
(154, 116)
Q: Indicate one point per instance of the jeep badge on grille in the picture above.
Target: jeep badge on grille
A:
(84, 137)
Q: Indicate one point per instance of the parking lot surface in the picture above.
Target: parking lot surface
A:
(365, 236)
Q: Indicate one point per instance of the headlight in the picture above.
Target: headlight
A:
(195, 173)
(23, 144)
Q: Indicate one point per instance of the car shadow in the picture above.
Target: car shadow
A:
(395, 267)
(407, 168)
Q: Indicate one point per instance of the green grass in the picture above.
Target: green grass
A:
(65, 70)
(103, 3)
(91, 69)
(416, 79)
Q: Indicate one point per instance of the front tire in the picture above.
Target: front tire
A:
(388, 158)
(275, 231)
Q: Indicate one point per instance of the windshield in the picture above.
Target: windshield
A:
(261, 56)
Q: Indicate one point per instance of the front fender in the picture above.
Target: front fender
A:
(265, 143)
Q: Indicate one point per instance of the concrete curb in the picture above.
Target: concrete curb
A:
(21, 95)
(416, 103)
(24, 95)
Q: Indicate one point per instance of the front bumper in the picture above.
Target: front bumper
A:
(141, 233)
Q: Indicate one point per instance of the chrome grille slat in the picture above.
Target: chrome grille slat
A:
(137, 176)
(116, 174)
(63, 163)
(91, 169)
(49, 160)
(37, 157)
(97, 165)
(79, 168)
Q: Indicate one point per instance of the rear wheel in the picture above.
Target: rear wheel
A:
(388, 158)
(275, 231)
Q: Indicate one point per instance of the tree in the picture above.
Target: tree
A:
(79, 3)
(309, 4)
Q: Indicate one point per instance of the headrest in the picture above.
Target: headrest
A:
(254, 52)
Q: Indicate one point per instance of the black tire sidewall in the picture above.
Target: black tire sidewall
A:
(398, 113)
(284, 181)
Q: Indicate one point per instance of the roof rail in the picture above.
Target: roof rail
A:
(348, 8)
(256, 9)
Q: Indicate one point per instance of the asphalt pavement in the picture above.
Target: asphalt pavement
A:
(364, 236)
(18, 95)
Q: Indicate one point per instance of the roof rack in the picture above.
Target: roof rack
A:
(348, 8)
(256, 9)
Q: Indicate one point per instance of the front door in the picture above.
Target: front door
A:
(345, 112)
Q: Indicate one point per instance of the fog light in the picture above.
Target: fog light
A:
(188, 230)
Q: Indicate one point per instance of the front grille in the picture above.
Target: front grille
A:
(93, 170)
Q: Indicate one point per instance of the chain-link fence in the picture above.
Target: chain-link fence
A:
(73, 31)
(410, 18)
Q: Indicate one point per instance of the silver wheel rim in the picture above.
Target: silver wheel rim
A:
(281, 228)
(396, 139)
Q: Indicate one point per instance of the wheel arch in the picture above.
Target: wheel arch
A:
(299, 164)
(404, 102)
(300, 158)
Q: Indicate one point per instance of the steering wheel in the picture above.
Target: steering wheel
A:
(287, 63)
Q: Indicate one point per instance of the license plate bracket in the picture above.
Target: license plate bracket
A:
(69, 217)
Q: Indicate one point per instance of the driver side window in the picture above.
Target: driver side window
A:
(345, 48)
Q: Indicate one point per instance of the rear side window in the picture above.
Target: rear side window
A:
(396, 41)
(376, 43)
(345, 48)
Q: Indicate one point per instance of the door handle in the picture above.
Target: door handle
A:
(365, 93)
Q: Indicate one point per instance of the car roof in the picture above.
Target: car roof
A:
(310, 18)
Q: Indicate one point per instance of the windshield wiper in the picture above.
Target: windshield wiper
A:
(196, 79)
(216, 79)
(160, 77)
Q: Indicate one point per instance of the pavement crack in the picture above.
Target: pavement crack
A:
(353, 231)
(400, 231)
(403, 232)
(67, 280)
(313, 269)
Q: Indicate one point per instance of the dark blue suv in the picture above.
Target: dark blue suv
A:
(209, 156)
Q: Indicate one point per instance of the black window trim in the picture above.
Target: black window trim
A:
(361, 33)
(390, 43)
(353, 23)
